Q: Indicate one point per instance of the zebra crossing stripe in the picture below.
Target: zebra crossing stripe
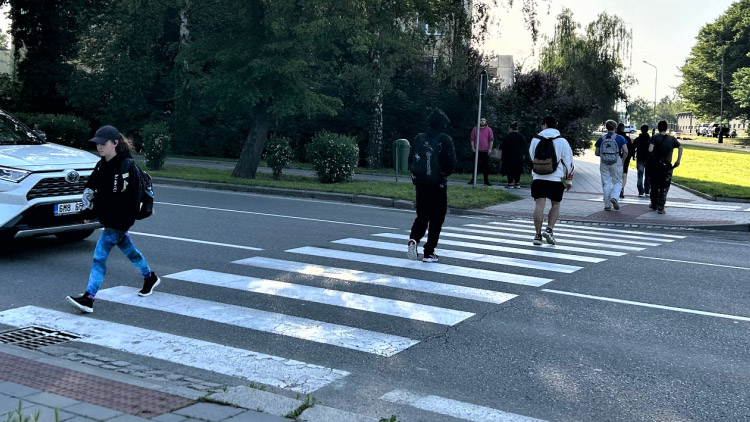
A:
(470, 256)
(357, 276)
(422, 266)
(454, 408)
(528, 239)
(498, 248)
(397, 308)
(610, 234)
(682, 205)
(656, 236)
(528, 244)
(564, 237)
(269, 322)
(256, 367)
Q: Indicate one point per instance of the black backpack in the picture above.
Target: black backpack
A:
(425, 163)
(545, 158)
(145, 190)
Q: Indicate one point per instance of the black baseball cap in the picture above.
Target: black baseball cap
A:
(104, 134)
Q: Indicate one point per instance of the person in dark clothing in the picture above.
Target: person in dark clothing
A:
(626, 159)
(660, 165)
(512, 149)
(113, 196)
(640, 145)
(432, 197)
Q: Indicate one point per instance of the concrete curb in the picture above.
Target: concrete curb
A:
(710, 197)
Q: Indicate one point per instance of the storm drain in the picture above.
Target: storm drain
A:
(35, 337)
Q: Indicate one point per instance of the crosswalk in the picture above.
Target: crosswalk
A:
(485, 263)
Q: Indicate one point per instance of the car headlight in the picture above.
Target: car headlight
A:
(13, 175)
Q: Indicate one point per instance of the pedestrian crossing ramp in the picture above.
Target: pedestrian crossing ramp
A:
(473, 256)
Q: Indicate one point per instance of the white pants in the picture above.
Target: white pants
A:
(611, 180)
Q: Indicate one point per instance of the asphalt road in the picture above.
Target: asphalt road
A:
(661, 333)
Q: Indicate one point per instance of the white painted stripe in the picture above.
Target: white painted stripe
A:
(357, 276)
(648, 305)
(182, 239)
(423, 266)
(469, 256)
(529, 238)
(331, 297)
(696, 263)
(681, 205)
(454, 408)
(601, 237)
(497, 248)
(269, 322)
(276, 215)
(257, 367)
(605, 229)
(610, 234)
(529, 244)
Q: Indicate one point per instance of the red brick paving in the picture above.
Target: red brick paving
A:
(126, 398)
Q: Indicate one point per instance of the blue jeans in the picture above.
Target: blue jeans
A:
(644, 182)
(110, 238)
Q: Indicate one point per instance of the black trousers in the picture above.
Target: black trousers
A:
(660, 183)
(483, 165)
(432, 205)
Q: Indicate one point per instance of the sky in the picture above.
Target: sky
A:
(664, 32)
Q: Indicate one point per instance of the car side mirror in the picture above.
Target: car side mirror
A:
(40, 134)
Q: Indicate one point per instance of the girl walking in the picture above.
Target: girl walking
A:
(112, 193)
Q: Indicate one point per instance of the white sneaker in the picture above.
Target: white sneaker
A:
(411, 251)
(615, 204)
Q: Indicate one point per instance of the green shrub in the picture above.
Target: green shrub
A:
(334, 157)
(63, 129)
(278, 154)
(156, 141)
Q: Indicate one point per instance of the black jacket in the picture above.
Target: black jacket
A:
(438, 122)
(641, 147)
(115, 194)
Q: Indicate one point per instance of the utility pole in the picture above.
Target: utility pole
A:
(656, 75)
(483, 83)
(721, 103)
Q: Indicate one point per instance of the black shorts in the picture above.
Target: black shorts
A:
(547, 189)
(626, 166)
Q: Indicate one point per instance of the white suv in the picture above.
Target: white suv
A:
(41, 185)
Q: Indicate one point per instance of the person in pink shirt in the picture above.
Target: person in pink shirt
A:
(486, 138)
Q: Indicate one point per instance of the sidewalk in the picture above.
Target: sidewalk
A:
(582, 204)
(65, 384)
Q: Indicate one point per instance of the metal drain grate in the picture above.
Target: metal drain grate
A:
(35, 337)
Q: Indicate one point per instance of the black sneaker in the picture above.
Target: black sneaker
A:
(538, 239)
(148, 284)
(548, 236)
(83, 303)
(430, 257)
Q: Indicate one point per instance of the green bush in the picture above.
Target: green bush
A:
(61, 129)
(156, 140)
(278, 154)
(334, 157)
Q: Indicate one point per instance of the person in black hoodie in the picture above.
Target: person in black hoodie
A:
(432, 195)
(625, 159)
(640, 145)
(112, 195)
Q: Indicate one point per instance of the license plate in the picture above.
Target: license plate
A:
(68, 208)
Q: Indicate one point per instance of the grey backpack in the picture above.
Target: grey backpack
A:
(609, 151)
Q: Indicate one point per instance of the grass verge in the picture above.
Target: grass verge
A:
(462, 197)
(715, 172)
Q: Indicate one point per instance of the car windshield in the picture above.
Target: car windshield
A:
(14, 133)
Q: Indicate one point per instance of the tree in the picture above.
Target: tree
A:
(264, 59)
(701, 88)
(124, 72)
(641, 111)
(592, 63)
(741, 87)
(44, 37)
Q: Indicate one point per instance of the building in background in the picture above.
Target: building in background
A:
(687, 123)
(501, 70)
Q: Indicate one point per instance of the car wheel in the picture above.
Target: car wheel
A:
(74, 236)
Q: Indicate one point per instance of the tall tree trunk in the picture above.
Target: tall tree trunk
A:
(247, 165)
(375, 146)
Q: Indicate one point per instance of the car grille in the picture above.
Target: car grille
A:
(56, 186)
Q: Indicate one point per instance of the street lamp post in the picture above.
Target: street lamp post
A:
(721, 103)
(656, 75)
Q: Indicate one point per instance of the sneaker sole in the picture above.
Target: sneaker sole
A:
(84, 309)
(158, 280)
(548, 238)
(429, 260)
(412, 253)
(615, 204)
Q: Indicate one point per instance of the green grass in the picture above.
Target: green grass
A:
(462, 197)
(715, 172)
